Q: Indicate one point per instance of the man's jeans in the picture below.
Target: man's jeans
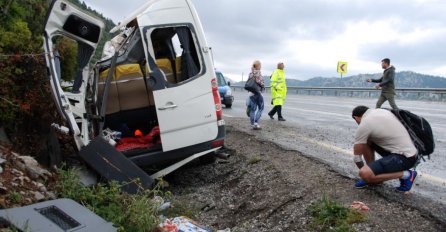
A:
(257, 106)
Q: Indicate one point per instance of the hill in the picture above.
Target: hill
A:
(404, 79)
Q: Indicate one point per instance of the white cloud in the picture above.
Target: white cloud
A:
(311, 36)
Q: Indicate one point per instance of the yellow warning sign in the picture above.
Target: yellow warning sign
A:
(342, 67)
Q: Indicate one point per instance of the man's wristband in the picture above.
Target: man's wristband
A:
(357, 158)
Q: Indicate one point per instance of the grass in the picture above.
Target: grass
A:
(180, 208)
(329, 215)
(127, 212)
(15, 197)
(255, 159)
(269, 167)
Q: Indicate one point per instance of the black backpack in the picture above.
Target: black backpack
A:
(419, 130)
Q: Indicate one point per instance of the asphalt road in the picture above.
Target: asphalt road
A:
(322, 127)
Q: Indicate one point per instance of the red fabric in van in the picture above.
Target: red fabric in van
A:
(146, 141)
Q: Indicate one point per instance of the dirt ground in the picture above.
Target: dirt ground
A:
(264, 187)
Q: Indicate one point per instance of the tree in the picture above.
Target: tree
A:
(25, 101)
(26, 105)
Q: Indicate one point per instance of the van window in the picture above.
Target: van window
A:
(65, 52)
(221, 79)
(175, 53)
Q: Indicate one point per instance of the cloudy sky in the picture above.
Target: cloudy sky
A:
(311, 36)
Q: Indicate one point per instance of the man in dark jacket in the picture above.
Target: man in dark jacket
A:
(387, 84)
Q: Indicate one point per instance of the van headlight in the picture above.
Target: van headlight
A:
(228, 92)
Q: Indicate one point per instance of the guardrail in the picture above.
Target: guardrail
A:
(438, 94)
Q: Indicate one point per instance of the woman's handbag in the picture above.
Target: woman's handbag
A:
(252, 86)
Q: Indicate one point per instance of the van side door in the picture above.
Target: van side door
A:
(185, 107)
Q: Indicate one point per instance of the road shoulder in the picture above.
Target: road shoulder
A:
(267, 187)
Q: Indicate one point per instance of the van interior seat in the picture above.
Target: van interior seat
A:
(129, 102)
(178, 66)
(131, 87)
(166, 66)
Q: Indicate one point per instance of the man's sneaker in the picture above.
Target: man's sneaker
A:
(281, 119)
(270, 116)
(406, 184)
(257, 126)
(401, 182)
(361, 184)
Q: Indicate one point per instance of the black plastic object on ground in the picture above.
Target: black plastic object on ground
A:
(113, 165)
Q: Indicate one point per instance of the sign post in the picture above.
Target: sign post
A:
(342, 67)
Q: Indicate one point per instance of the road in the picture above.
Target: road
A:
(322, 127)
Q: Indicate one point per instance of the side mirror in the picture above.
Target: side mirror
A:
(229, 83)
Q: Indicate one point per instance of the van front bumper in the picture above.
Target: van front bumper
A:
(227, 100)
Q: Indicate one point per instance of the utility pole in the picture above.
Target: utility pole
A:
(242, 76)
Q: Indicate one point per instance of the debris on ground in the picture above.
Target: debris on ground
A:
(359, 206)
(54, 215)
(181, 224)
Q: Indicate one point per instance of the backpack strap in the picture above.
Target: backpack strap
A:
(419, 158)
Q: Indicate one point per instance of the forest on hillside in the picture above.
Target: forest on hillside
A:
(26, 106)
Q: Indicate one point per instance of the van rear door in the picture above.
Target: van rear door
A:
(186, 108)
(65, 20)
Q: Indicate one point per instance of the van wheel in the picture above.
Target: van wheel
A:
(208, 158)
(228, 105)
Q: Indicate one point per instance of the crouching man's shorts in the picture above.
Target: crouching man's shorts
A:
(391, 162)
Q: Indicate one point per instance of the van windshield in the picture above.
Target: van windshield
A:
(221, 79)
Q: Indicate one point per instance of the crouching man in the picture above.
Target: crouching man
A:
(379, 130)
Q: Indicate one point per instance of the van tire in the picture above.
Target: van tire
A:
(228, 105)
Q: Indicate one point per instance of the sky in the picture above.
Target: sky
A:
(311, 36)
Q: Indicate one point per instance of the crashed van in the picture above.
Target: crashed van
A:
(152, 100)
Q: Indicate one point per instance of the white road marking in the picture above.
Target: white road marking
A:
(342, 117)
(322, 112)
